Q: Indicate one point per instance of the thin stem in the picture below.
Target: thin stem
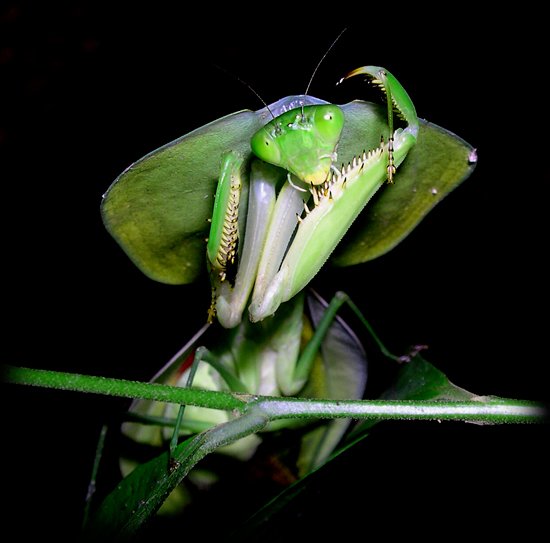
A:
(122, 388)
(483, 410)
(479, 409)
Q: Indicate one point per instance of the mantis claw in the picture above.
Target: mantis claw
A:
(397, 100)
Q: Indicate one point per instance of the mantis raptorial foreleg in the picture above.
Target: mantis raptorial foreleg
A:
(230, 297)
(181, 411)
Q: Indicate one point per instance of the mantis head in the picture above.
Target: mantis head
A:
(302, 141)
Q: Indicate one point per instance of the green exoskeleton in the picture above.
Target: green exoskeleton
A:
(159, 207)
(301, 199)
(289, 180)
(275, 221)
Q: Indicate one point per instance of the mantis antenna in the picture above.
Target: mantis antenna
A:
(321, 62)
(249, 86)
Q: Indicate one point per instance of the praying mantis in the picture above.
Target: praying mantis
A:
(286, 242)
(289, 181)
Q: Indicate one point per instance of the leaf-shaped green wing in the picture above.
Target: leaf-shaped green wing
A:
(341, 374)
(438, 163)
(158, 209)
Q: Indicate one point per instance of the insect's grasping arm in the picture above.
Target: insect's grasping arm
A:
(339, 200)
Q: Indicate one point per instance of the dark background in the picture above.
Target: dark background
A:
(90, 88)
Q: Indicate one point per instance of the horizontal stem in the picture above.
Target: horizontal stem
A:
(122, 388)
(479, 409)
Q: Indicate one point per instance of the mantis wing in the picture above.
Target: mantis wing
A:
(341, 373)
(157, 209)
(436, 165)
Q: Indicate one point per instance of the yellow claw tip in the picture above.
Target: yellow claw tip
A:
(357, 71)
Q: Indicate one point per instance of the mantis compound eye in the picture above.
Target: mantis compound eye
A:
(266, 147)
(328, 122)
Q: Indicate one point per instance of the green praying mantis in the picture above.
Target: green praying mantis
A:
(286, 242)
(281, 186)
(289, 180)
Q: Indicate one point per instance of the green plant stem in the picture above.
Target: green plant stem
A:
(480, 409)
(122, 388)
(189, 453)
(491, 410)
(123, 527)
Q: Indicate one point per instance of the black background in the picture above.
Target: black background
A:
(89, 88)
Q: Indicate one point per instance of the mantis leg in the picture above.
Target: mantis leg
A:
(308, 354)
(232, 299)
(204, 355)
(289, 206)
(181, 412)
(221, 248)
(332, 364)
(398, 100)
(339, 200)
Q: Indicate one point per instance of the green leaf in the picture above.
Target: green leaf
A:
(417, 380)
(438, 163)
(420, 380)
